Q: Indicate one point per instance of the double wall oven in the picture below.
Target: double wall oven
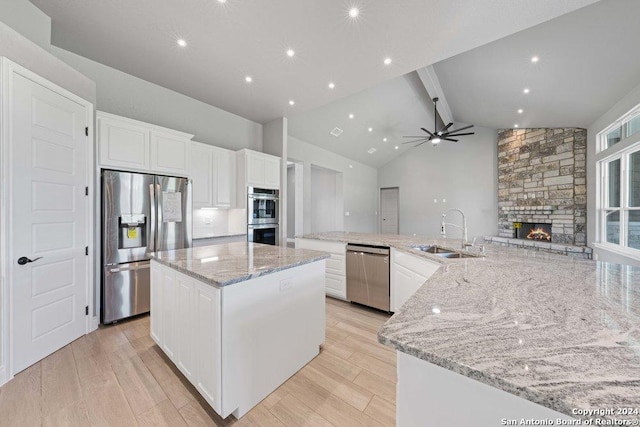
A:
(263, 215)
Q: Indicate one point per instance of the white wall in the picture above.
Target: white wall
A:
(615, 112)
(28, 20)
(23, 51)
(359, 185)
(326, 200)
(464, 173)
(125, 95)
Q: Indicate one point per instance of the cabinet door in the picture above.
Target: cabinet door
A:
(207, 343)
(157, 308)
(272, 173)
(183, 322)
(224, 173)
(123, 144)
(168, 153)
(335, 285)
(406, 283)
(168, 313)
(201, 173)
(255, 170)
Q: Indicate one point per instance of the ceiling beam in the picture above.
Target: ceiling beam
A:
(429, 79)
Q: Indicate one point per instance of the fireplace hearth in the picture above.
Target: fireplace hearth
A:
(532, 231)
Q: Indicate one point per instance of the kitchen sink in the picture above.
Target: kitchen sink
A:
(432, 249)
(442, 252)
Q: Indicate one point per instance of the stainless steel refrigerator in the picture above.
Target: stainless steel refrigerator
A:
(141, 214)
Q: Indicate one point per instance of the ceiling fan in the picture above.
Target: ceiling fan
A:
(438, 136)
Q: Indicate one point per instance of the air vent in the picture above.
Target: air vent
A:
(336, 132)
(371, 150)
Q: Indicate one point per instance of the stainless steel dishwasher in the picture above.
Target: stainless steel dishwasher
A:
(368, 275)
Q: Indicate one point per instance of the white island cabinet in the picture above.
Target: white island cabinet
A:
(239, 340)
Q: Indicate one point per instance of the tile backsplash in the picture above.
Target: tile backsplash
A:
(218, 222)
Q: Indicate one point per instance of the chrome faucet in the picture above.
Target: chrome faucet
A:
(443, 230)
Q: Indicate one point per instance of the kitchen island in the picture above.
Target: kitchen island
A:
(238, 319)
(514, 334)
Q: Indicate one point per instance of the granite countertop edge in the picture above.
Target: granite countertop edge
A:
(242, 278)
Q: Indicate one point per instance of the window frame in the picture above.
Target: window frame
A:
(623, 153)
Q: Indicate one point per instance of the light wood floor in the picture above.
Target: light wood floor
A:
(117, 376)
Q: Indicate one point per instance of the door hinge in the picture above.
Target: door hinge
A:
(86, 131)
(86, 191)
(86, 250)
(86, 310)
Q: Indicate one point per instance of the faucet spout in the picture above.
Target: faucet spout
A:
(443, 230)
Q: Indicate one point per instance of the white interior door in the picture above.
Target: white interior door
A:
(48, 221)
(389, 210)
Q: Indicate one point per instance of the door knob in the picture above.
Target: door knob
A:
(24, 260)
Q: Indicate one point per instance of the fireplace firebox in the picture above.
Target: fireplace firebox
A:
(532, 231)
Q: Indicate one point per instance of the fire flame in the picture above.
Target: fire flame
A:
(538, 234)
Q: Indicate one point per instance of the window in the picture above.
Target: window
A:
(626, 127)
(620, 198)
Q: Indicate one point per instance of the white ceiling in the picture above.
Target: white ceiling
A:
(228, 41)
(392, 109)
(588, 61)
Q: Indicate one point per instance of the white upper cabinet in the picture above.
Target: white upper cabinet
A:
(201, 173)
(212, 170)
(134, 145)
(255, 169)
(168, 153)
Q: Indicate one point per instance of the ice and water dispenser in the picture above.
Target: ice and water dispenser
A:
(133, 231)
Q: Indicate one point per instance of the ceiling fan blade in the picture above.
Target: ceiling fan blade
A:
(416, 140)
(431, 134)
(420, 144)
(446, 127)
(460, 134)
(449, 139)
(414, 136)
(463, 128)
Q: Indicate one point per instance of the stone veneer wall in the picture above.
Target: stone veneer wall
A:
(542, 178)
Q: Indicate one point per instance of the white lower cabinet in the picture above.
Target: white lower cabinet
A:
(408, 273)
(336, 268)
(185, 323)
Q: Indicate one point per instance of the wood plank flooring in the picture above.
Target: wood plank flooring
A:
(117, 376)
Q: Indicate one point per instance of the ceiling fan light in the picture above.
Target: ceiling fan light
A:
(435, 140)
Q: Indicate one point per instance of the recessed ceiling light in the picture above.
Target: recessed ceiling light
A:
(535, 59)
(520, 111)
(292, 102)
(290, 52)
(515, 126)
(182, 43)
(370, 129)
(350, 166)
(387, 61)
(354, 12)
(332, 85)
(526, 90)
(351, 116)
(248, 79)
(384, 139)
(396, 147)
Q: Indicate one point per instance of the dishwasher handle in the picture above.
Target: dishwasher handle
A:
(368, 249)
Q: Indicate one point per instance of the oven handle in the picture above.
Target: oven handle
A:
(261, 226)
(263, 197)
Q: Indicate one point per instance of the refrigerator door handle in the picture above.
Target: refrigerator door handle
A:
(152, 234)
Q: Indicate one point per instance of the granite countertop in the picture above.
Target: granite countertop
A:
(559, 331)
(228, 263)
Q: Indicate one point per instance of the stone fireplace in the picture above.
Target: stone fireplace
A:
(542, 180)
